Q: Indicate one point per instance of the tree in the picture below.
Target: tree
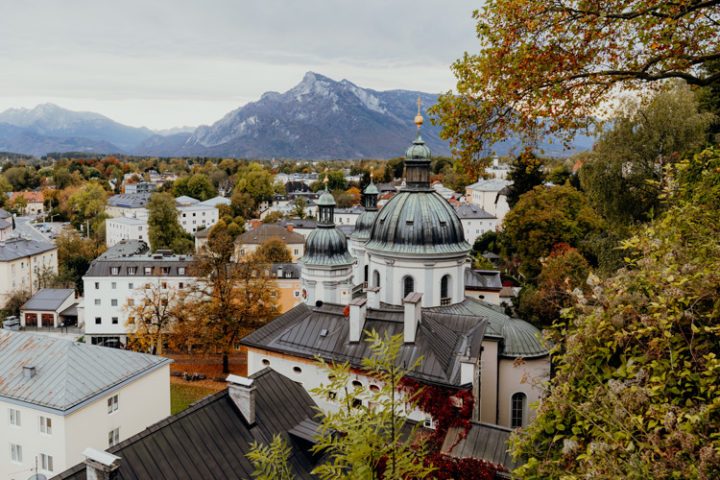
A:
(75, 254)
(273, 250)
(85, 207)
(229, 299)
(151, 317)
(635, 392)
(624, 174)
(544, 217)
(271, 461)
(253, 183)
(371, 443)
(273, 217)
(550, 66)
(164, 227)
(196, 186)
(526, 173)
(299, 208)
(17, 299)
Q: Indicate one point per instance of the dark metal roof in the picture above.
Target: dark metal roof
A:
(419, 223)
(130, 200)
(125, 248)
(470, 211)
(48, 299)
(441, 340)
(326, 246)
(482, 442)
(482, 280)
(282, 270)
(363, 225)
(210, 439)
(19, 247)
(102, 267)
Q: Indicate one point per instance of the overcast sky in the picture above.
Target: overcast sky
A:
(167, 63)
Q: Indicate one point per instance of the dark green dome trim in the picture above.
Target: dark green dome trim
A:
(363, 225)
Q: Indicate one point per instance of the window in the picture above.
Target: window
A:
(331, 395)
(181, 270)
(46, 425)
(165, 270)
(445, 290)
(428, 422)
(114, 270)
(97, 285)
(131, 320)
(98, 320)
(265, 362)
(356, 403)
(113, 302)
(181, 285)
(374, 388)
(46, 462)
(297, 369)
(14, 417)
(295, 252)
(164, 285)
(408, 286)
(114, 320)
(112, 403)
(376, 278)
(131, 285)
(357, 384)
(16, 453)
(517, 410)
(114, 437)
(132, 271)
(97, 301)
(113, 285)
(365, 277)
(148, 270)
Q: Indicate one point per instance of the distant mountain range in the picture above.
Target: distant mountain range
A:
(319, 118)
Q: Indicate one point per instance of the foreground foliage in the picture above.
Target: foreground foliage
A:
(636, 389)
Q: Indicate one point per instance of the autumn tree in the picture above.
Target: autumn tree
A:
(550, 66)
(635, 391)
(164, 227)
(254, 186)
(151, 317)
(542, 218)
(85, 207)
(196, 186)
(75, 254)
(230, 299)
(371, 442)
(273, 250)
(299, 207)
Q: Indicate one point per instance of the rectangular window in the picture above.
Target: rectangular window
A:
(114, 437)
(16, 453)
(46, 425)
(97, 301)
(131, 320)
(113, 302)
(148, 270)
(97, 285)
(112, 403)
(181, 270)
(114, 270)
(164, 285)
(98, 320)
(165, 270)
(114, 320)
(113, 285)
(132, 270)
(181, 285)
(46, 462)
(15, 417)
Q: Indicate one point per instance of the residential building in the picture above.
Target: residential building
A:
(490, 195)
(126, 228)
(287, 278)
(128, 205)
(121, 278)
(58, 397)
(198, 215)
(33, 202)
(475, 221)
(416, 256)
(6, 224)
(484, 285)
(246, 243)
(498, 170)
(50, 308)
(140, 187)
(23, 265)
(348, 216)
(211, 439)
(201, 238)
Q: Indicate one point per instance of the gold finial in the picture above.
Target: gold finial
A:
(419, 118)
(326, 178)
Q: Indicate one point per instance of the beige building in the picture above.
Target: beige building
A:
(23, 263)
(287, 278)
(248, 242)
(59, 397)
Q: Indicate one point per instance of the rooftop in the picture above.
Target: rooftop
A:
(48, 299)
(128, 220)
(482, 280)
(482, 442)
(68, 374)
(129, 200)
(489, 185)
(19, 247)
(211, 438)
(470, 211)
(267, 231)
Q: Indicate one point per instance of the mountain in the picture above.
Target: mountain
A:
(58, 129)
(26, 141)
(319, 118)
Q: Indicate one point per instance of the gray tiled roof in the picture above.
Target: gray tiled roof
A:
(68, 374)
(48, 299)
(482, 280)
(102, 267)
(470, 211)
(481, 441)
(4, 213)
(130, 200)
(14, 248)
(210, 440)
(125, 248)
(441, 340)
(490, 185)
(267, 231)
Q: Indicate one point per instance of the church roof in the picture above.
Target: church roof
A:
(326, 246)
(442, 340)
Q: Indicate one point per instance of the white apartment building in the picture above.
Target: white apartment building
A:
(126, 228)
(22, 262)
(475, 221)
(490, 196)
(122, 277)
(48, 415)
(347, 216)
(128, 205)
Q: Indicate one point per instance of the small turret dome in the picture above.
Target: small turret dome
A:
(326, 246)
(326, 200)
(418, 150)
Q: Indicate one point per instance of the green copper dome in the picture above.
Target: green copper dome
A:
(326, 246)
(418, 150)
(363, 225)
(418, 222)
(326, 200)
(371, 189)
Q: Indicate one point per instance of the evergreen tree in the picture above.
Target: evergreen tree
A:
(164, 227)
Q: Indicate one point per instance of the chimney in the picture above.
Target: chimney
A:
(242, 392)
(29, 371)
(413, 311)
(373, 297)
(357, 319)
(100, 465)
(290, 228)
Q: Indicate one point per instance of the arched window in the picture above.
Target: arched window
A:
(445, 287)
(408, 285)
(517, 410)
(376, 278)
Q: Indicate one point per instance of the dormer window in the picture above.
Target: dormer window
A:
(114, 270)
(132, 270)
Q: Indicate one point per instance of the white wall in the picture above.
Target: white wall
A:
(193, 217)
(525, 376)
(475, 227)
(22, 273)
(118, 229)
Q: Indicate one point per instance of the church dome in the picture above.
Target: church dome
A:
(326, 199)
(326, 246)
(418, 223)
(364, 225)
(418, 150)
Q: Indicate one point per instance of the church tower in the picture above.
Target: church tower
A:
(417, 243)
(361, 234)
(327, 265)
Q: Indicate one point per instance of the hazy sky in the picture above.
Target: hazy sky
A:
(166, 63)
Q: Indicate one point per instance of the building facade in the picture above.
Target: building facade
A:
(23, 265)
